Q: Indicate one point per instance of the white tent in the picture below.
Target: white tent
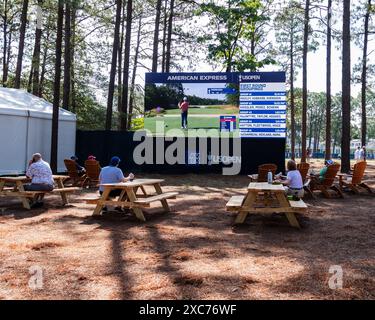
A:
(25, 128)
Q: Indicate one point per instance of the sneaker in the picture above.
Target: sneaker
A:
(38, 204)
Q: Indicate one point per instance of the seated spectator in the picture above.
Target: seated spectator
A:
(323, 172)
(113, 174)
(293, 182)
(41, 177)
(81, 170)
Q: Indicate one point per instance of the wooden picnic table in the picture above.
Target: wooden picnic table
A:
(17, 189)
(130, 199)
(263, 197)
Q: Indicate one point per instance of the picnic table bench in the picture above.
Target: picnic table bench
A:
(262, 197)
(17, 189)
(129, 197)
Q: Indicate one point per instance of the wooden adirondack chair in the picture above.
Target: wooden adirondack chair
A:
(263, 171)
(354, 180)
(73, 173)
(303, 169)
(92, 173)
(328, 182)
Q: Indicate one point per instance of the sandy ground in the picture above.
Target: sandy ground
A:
(193, 252)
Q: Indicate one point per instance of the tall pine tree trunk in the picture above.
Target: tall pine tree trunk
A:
(21, 44)
(30, 80)
(155, 54)
(112, 77)
(5, 43)
(44, 60)
(73, 83)
(364, 76)
(67, 56)
(36, 55)
(9, 48)
(328, 84)
(56, 86)
(304, 79)
(346, 73)
(169, 37)
(165, 27)
(120, 55)
(292, 105)
(125, 81)
(134, 74)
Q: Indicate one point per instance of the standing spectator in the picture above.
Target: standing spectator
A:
(41, 177)
(308, 155)
(91, 157)
(184, 107)
(362, 155)
(357, 154)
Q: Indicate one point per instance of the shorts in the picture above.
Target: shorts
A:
(113, 193)
(38, 187)
(299, 193)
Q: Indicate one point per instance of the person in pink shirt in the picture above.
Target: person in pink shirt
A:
(184, 107)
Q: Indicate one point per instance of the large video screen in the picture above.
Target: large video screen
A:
(241, 104)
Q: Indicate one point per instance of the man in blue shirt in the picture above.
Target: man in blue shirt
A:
(113, 174)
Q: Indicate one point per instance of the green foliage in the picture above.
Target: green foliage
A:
(137, 124)
(234, 34)
(164, 96)
(90, 114)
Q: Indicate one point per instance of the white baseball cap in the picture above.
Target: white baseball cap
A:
(185, 99)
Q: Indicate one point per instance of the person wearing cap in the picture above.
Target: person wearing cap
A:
(323, 172)
(317, 179)
(184, 107)
(81, 170)
(113, 174)
(40, 173)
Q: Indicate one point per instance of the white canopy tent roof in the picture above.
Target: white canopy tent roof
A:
(25, 128)
(20, 102)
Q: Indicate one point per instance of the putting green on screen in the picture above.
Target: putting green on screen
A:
(214, 110)
(200, 119)
(196, 126)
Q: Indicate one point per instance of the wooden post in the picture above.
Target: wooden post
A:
(137, 211)
(163, 202)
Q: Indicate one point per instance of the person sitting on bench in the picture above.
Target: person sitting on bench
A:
(113, 174)
(293, 182)
(41, 177)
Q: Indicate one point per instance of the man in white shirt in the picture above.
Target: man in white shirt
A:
(41, 177)
(357, 154)
(40, 174)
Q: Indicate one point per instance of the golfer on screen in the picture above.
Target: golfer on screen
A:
(184, 106)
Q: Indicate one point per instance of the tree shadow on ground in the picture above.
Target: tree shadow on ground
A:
(15, 210)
